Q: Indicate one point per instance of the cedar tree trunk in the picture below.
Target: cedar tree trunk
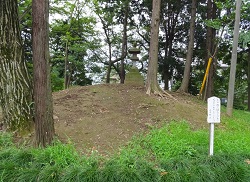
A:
(186, 77)
(230, 97)
(44, 125)
(124, 43)
(210, 48)
(152, 85)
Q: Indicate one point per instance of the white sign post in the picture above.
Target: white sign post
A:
(213, 116)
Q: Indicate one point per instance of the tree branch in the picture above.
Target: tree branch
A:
(25, 12)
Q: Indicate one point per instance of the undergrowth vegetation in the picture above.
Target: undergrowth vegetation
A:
(173, 152)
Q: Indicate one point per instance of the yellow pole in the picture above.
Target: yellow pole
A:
(205, 76)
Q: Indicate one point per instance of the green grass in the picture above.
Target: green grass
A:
(173, 152)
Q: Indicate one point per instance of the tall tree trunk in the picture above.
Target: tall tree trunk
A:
(66, 66)
(169, 29)
(109, 64)
(210, 83)
(152, 85)
(15, 82)
(165, 67)
(186, 77)
(124, 43)
(166, 74)
(230, 97)
(248, 79)
(44, 125)
(210, 48)
(70, 73)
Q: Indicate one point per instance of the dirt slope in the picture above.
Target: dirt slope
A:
(103, 117)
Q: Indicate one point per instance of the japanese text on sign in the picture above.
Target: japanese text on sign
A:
(213, 110)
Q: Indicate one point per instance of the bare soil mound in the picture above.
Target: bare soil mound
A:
(104, 117)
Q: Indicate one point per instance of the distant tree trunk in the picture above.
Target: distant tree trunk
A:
(166, 66)
(210, 47)
(15, 83)
(169, 25)
(108, 34)
(166, 75)
(66, 66)
(230, 97)
(109, 63)
(124, 43)
(44, 124)
(248, 78)
(70, 73)
(186, 77)
(152, 85)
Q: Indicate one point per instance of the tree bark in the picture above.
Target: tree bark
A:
(152, 85)
(186, 77)
(109, 63)
(230, 97)
(124, 43)
(15, 83)
(66, 67)
(210, 48)
(44, 125)
(169, 27)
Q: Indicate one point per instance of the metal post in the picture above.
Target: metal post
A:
(211, 141)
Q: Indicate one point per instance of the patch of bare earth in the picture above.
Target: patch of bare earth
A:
(104, 117)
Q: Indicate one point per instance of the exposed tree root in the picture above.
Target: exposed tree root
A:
(159, 92)
(169, 95)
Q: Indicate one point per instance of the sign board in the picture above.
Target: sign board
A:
(213, 110)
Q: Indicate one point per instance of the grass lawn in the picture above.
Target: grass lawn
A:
(173, 152)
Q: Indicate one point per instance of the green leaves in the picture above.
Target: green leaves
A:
(216, 23)
(73, 39)
(245, 38)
